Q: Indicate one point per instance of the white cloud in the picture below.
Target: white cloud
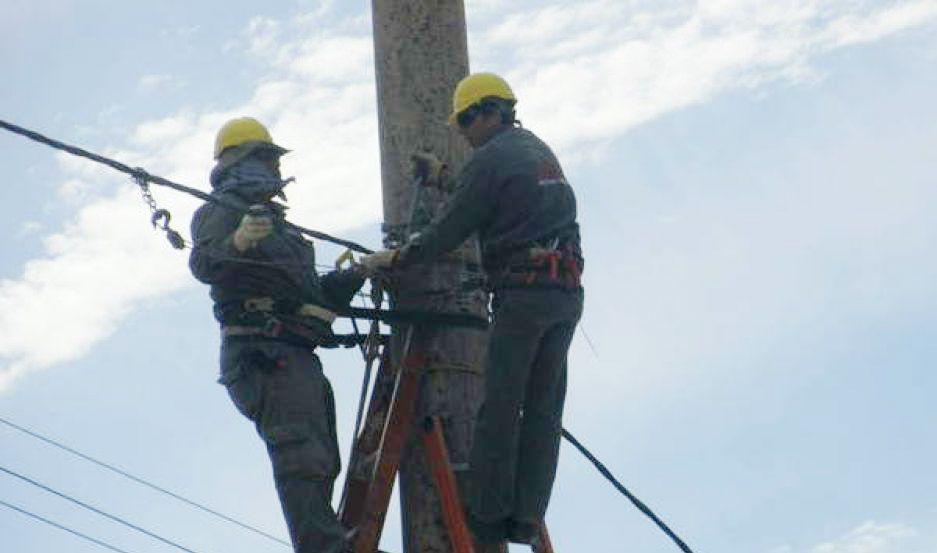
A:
(585, 72)
(262, 34)
(153, 133)
(160, 83)
(869, 537)
(74, 190)
(588, 71)
(80, 289)
(30, 228)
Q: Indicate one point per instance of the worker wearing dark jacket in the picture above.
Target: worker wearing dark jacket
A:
(513, 194)
(273, 309)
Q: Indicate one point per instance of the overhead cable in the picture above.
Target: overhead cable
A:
(618, 485)
(97, 511)
(142, 176)
(60, 527)
(143, 482)
(589, 341)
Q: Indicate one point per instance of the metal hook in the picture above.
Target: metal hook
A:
(160, 219)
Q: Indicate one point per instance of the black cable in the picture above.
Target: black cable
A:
(141, 481)
(589, 342)
(408, 316)
(96, 510)
(141, 175)
(618, 485)
(60, 527)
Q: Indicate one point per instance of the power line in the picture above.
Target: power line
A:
(142, 481)
(624, 491)
(96, 510)
(589, 341)
(142, 177)
(60, 527)
(611, 478)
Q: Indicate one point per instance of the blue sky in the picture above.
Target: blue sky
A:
(757, 193)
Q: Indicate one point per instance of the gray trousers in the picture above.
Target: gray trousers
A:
(517, 432)
(281, 388)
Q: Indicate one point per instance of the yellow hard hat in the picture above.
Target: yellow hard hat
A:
(241, 131)
(475, 88)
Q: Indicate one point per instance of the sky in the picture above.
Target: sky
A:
(757, 187)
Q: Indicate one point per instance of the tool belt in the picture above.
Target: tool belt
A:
(265, 318)
(541, 267)
(271, 305)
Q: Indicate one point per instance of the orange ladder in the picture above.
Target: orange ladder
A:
(378, 450)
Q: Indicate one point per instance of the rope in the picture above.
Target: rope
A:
(141, 481)
(624, 491)
(60, 527)
(140, 175)
(96, 510)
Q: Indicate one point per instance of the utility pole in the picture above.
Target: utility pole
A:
(420, 55)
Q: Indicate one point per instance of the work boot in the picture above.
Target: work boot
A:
(488, 532)
(350, 541)
(524, 532)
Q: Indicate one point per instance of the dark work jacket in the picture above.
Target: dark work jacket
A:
(513, 193)
(281, 266)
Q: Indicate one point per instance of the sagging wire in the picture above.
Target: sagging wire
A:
(141, 481)
(624, 491)
(61, 527)
(95, 510)
(139, 175)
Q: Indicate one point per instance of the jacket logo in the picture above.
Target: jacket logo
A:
(550, 173)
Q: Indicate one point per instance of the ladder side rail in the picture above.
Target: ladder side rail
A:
(367, 443)
(394, 438)
(544, 545)
(452, 511)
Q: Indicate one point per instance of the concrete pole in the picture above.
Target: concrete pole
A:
(420, 55)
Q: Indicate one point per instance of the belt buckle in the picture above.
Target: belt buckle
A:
(272, 328)
(252, 305)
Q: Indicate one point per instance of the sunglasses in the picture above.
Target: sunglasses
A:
(467, 117)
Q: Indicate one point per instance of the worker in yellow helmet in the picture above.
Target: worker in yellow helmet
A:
(274, 310)
(513, 193)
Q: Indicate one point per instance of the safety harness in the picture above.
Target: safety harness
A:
(269, 318)
(310, 325)
(555, 265)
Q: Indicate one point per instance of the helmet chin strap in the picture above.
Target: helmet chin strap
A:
(281, 194)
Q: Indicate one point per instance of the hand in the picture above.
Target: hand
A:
(377, 261)
(428, 166)
(251, 230)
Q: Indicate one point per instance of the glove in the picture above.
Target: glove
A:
(428, 166)
(377, 261)
(252, 229)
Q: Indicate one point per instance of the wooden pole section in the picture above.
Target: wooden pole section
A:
(420, 55)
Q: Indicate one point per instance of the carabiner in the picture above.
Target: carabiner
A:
(160, 219)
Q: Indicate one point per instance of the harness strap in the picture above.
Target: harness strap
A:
(557, 267)
(269, 305)
(275, 329)
(321, 313)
